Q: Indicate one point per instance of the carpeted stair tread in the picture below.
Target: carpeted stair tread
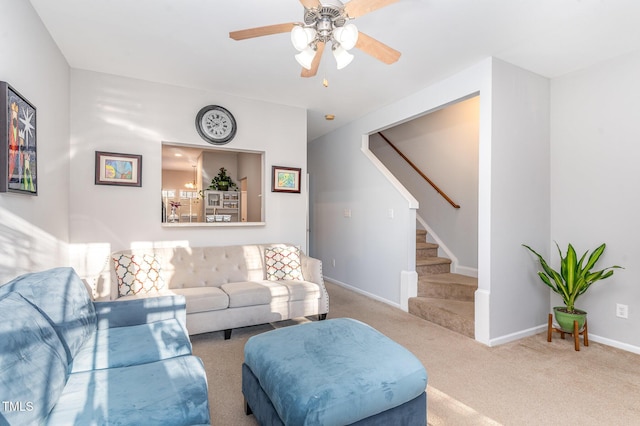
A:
(424, 245)
(433, 261)
(433, 265)
(448, 286)
(451, 278)
(455, 315)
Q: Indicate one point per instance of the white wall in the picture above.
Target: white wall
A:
(372, 251)
(34, 229)
(444, 146)
(594, 187)
(116, 114)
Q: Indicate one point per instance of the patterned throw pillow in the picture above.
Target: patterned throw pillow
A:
(283, 263)
(138, 274)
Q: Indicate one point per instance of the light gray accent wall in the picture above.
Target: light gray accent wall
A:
(513, 198)
(594, 186)
(371, 249)
(444, 146)
(34, 230)
(519, 199)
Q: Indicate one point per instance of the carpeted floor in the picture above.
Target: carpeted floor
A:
(528, 382)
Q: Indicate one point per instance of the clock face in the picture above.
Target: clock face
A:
(216, 125)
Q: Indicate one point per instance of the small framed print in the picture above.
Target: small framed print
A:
(285, 179)
(18, 168)
(118, 169)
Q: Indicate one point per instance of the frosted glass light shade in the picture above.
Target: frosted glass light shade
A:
(301, 37)
(305, 57)
(343, 58)
(347, 36)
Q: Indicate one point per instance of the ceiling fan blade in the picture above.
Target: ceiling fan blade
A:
(377, 49)
(315, 63)
(310, 4)
(261, 31)
(357, 8)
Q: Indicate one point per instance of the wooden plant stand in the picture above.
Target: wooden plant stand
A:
(576, 333)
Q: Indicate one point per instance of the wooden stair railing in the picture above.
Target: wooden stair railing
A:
(438, 190)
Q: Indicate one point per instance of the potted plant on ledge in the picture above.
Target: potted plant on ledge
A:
(222, 181)
(573, 280)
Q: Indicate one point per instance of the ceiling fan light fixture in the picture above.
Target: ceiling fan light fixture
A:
(347, 36)
(305, 57)
(301, 37)
(343, 58)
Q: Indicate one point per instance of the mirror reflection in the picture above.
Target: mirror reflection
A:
(215, 186)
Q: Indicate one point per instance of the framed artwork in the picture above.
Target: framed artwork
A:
(118, 169)
(285, 179)
(18, 157)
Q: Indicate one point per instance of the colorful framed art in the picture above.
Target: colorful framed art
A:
(18, 156)
(285, 179)
(118, 169)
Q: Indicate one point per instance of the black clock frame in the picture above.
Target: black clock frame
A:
(208, 138)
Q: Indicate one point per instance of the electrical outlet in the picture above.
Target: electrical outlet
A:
(347, 213)
(622, 311)
(333, 263)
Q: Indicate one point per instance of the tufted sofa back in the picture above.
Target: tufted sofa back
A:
(185, 267)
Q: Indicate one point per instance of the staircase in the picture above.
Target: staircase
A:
(444, 298)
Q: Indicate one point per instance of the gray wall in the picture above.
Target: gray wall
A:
(594, 187)
(444, 146)
(374, 252)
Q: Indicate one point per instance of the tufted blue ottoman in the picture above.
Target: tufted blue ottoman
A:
(334, 372)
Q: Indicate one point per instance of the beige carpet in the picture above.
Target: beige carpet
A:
(528, 382)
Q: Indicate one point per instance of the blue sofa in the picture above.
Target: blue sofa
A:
(65, 359)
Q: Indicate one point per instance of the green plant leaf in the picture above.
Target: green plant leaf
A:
(574, 278)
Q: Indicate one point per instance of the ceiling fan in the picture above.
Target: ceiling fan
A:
(328, 21)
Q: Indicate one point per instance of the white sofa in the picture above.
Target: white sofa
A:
(225, 287)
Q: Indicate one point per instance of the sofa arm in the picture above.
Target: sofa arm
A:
(312, 271)
(124, 313)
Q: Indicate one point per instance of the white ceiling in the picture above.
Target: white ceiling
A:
(186, 43)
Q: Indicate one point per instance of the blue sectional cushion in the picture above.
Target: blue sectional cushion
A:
(33, 362)
(170, 392)
(137, 344)
(62, 297)
(333, 372)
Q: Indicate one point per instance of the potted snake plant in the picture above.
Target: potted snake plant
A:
(573, 280)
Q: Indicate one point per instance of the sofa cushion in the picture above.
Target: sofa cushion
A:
(283, 263)
(138, 274)
(33, 361)
(301, 290)
(253, 293)
(209, 266)
(169, 392)
(132, 345)
(62, 297)
(203, 299)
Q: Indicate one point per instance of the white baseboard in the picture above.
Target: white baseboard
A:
(502, 339)
(610, 342)
(364, 293)
(518, 335)
(543, 328)
(465, 270)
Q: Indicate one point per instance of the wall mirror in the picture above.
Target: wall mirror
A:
(196, 192)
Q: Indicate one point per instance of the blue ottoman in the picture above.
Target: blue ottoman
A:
(334, 372)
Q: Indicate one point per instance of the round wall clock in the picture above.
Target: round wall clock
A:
(216, 125)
